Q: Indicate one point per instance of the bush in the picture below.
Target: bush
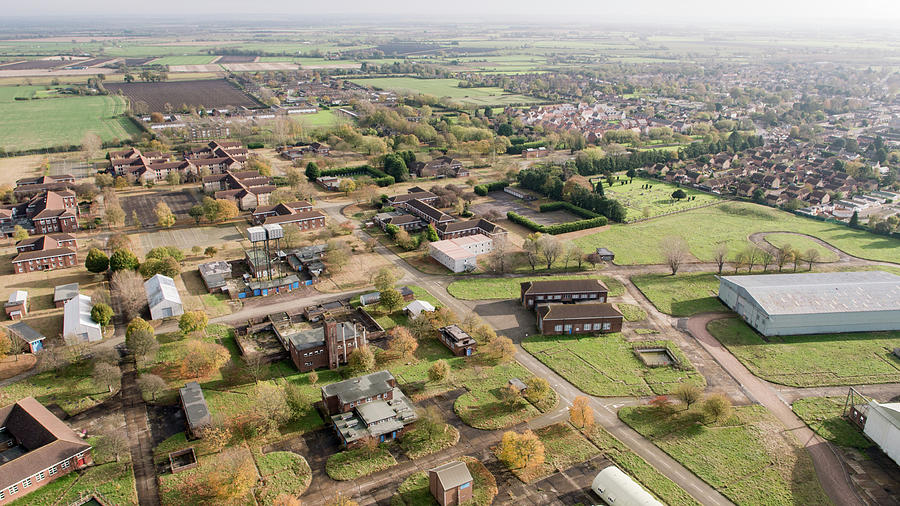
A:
(254, 145)
(122, 260)
(96, 261)
(101, 313)
(577, 211)
(380, 177)
(559, 228)
(484, 188)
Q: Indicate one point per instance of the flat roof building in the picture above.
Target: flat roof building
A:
(461, 254)
(815, 303)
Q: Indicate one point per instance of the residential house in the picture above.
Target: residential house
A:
(457, 340)
(399, 219)
(163, 297)
(535, 293)
(196, 412)
(17, 306)
(46, 255)
(588, 318)
(38, 448)
(451, 484)
(77, 320)
(481, 226)
(64, 293)
(32, 340)
(259, 215)
(367, 407)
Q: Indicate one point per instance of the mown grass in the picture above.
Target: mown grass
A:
(825, 416)
(812, 360)
(802, 244)
(684, 294)
(353, 464)
(510, 288)
(749, 459)
(606, 365)
(730, 223)
(648, 202)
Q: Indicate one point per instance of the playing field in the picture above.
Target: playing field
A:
(323, 118)
(446, 88)
(730, 223)
(644, 198)
(61, 121)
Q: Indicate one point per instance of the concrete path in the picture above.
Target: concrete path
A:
(829, 468)
(139, 439)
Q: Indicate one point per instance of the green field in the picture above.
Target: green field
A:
(730, 223)
(812, 360)
(824, 415)
(446, 88)
(683, 295)
(606, 365)
(510, 288)
(749, 459)
(803, 244)
(322, 119)
(201, 59)
(654, 201)
(63, 121)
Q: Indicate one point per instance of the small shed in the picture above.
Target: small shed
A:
(64, 293)
(451, 483)
(32, 339)
(17, 306)
(163, 297)
(606, 255)
(196, 412)
(369, 298)
(518, 384)
(416, 307)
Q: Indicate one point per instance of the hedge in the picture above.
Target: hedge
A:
(483, 189)
(254, 145)
(572, 208)
(516, 149)
(380, 177)
(559, 228)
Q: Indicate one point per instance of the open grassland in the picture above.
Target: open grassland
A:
(114, 480)
(802, 244)
(749, 458)
(58, 121)
(730, 223)
(510, 288)
(812, 360)
(606, 365)
(654, 200)
(447, 88)
(71, 388)
(685, 294)
(322, 119)
(825, 416)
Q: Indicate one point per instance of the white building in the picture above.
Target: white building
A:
(416, 307)
(883, 427)
(461, 254)
(815, 303)
(162, 297)
(616, 487)
(77, 321)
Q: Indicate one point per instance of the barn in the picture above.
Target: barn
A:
(815, 303)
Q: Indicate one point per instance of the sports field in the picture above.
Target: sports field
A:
(446, 88)
(644, 198)
(43, 123)
(730, 223)
(323, 118)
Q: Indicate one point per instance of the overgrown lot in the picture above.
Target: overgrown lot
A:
(685, 294)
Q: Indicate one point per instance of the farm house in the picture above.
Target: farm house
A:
(815, 303)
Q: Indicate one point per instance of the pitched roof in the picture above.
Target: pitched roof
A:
(160, 288)
(25, 332)
(195, 409)
(564, 286)
(361, 387)
(578, 311)
(65, 292)
(452, 474)
(34, 255)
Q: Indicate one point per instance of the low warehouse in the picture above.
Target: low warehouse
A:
(815, 303)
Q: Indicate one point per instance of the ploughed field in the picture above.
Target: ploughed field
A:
(208, 93)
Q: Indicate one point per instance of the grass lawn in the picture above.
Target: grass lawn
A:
(323, 118)
(417, 443)
(839, 359)
(563, 448)
(447, 88)
(606, 365)
(509, 288)
(803, 244)
(353, 464)
(648, 202)
(684, 294)
(72, 388)
(281, 473)
(399, 317)
(750, 458)
(115, 481)
(62, 121)
(631, 312)
(414, 490)
(731, 223)
(825, 416)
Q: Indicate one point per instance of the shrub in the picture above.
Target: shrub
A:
(96, 261)
(254, 145)
(577, 211)
(559, 228)
(484, 188)
(101, 313)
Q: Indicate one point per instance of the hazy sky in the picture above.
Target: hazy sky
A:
(496, 11)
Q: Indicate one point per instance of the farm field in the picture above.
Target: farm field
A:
(509, 288)
(184, 60)
(208, 93)
(606, 365)
(840, 359)
(683, 295)
(447, 88)
(730, 223)
(824, 416)
(749, 458)
(656, 200)
(59, 121)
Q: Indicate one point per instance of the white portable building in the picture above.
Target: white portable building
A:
(883, 427)
(162, 297)
(77, 321)
(616, 487)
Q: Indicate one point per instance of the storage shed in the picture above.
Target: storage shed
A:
(883, 427)
(162, 297)
(815, 303)
(196, 412)
(77, 321)
(451, 483)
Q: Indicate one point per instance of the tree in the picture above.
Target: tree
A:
(112, 445)
(232, 478)
(142, 343)
(854, 220)
(431, 234)
(500, 349)
(119, 241)
(312, 377)
(391, 300)
(271, 406)
(196, 212)
(114, 216)
(675, 251)
(202, 358)
(783, 255)
(361, 360)
(688, 394)
(174, 178)
(532, 249)
(810, 257)
(218, 210)
(91, 144)
(346, 186)
(106, 375)
(312, 171)
(123, 260)
(385, 279)
(395, 166)
(341, 500)
(337, 254)
(594, 259)
(19, 233)
(151, 385)
(519, 451)
(751, 255)
(581, 414)
(127, 290)
(164, 216)
(96, 261)
(499, 259)
(718, 407)
(766, 258)
(101, 313)
(537, 389)
(550, 249)
(210, 251)
(679, 194)
(439, 371)
(6, 345)
(136, 325)
(510, 395)
(402, 344)
(193, 321)
(167, 267)
(720, 255)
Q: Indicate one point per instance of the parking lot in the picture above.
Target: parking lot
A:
(180, 202)
(187, 238)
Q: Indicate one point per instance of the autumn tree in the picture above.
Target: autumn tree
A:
(106, 375)
(500, 259)
(402, 344)
(391, 300)
(783, 255)
(126, 288)
(718, 407)
(500, 349)
(510, 395)
(532, 249)
(537, 389)
(232, 478)
(337, 254)
(193, 321)
(675, 251)
(520, 451)
(164, 216)
(6, 345)
(549, 249)
(361, 360)
(810, 257)
(439, 371)
(385, 278)
(271, 404)
(91, 144)
(151, 385)
(202, 358)
(114, 216)
(688, 393)
(581, 414)
(119, 241)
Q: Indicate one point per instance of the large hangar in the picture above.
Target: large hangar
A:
(815, 303)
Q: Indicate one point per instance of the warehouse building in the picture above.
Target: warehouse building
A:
(815, 303)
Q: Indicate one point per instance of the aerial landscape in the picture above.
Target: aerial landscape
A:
(403, 254)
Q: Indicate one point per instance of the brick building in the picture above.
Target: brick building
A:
(247, 189)
(533, 293)
(46, 254)
(53, 212)
(588, 318)
(457, 341)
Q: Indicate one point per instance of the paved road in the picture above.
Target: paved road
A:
(829, 468)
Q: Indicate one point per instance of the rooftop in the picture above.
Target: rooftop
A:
(160, 288)
(452, 474)
(564, 286)
(578, 311)
(65, 292)
(195, 408)
(361, 387)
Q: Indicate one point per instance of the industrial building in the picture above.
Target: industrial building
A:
(815, 303)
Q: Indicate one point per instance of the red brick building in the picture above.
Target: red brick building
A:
(47, 254)
(534, 293)
(39, 242)
(589, 318)
(299, 213)
(457, 341)
(37, 448)
(53, 212)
